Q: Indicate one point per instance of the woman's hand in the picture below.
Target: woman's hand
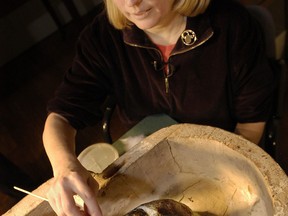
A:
(251, 131)
(70, 177)
(70, 182)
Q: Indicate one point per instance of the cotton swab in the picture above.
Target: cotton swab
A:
(79, 202)
(29, 193)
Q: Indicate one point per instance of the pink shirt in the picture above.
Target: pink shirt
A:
(166, 51)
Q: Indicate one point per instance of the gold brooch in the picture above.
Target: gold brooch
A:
(188, 37)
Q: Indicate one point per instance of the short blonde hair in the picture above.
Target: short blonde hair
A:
(183, 7)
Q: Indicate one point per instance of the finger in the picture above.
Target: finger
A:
(88, 193)
(68, 204)
(55, 202)
(93, 209)
(92, 206)
(62, 202)
(52, 202)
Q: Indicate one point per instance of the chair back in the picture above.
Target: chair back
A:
(266, 21)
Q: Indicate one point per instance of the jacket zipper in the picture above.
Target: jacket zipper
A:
(166, 84)
(167, 75)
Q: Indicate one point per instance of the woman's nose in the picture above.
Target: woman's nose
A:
(132, 3)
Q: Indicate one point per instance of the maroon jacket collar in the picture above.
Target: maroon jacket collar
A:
(134, 36)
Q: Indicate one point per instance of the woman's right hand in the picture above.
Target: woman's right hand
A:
(75, 180)
(70, 177)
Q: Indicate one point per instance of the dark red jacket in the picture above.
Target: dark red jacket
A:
(222, 79)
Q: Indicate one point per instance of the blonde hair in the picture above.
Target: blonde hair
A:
(183, 7)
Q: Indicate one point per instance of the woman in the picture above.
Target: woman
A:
(198, 61)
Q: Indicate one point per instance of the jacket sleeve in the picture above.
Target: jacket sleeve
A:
(86, 84)
(252, 77)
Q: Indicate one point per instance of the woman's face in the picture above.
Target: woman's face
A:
(146, 14)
